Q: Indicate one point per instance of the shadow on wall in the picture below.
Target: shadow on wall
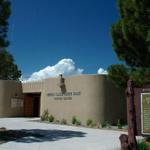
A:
(37, 135)
(116, 109)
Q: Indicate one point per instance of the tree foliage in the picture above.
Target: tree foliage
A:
(118, 74)
(131, 42)
(131, 34)
(8, 69)
(5, 12)
(140, 75)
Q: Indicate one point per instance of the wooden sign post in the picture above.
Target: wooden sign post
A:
(128, 142)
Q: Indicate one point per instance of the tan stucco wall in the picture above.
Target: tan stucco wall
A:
(33, 87)
(99, 100)
(9, 90)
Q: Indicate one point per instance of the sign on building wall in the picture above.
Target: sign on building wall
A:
(64, 96)
(145, 113)
(16, 103)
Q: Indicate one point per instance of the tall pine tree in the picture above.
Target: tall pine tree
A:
(131, 40)
(8, 69)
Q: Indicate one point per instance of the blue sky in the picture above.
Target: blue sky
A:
(42, 32)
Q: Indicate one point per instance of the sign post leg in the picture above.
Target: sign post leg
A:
(129, 142)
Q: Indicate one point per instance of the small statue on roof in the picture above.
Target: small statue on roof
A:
(62, 84)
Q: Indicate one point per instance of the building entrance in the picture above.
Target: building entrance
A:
(32, 105)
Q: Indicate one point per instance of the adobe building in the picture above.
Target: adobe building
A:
(85, 96)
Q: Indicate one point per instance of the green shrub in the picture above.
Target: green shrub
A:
(89, 122)
(119, 124)
(143, 146)
(78, 122)
(105, 124)
(51, 118)
(93, 125)
(74, 120)
(45, 115)
(63, 121)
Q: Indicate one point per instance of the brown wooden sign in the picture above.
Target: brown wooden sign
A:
(138, 115)
(145, 113)
(140, 93)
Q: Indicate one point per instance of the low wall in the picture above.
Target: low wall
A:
(11, 99)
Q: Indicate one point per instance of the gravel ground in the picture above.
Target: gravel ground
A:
(32, 135)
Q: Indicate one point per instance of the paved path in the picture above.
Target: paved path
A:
(43, 136)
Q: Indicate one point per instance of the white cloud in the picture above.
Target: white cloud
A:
(65, 66)
(102, 71)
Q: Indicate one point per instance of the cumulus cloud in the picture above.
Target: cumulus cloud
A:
(102, 71)
(65, 66)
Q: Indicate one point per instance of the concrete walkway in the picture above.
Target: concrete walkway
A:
(43, 136)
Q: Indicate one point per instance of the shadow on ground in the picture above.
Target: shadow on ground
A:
(37, 135)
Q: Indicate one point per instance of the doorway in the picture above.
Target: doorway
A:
(32, 105)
